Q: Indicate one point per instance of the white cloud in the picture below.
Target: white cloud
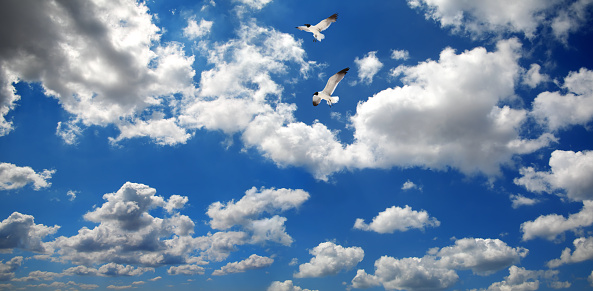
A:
(448, 114)
(407, 273)
(570, 19)
(398, 219)
(287, 285)
(482, 256)
(248, 210)
(107, 270)
(410, 185)
(128, 233)
(253, 262)
(330, 259)
(501, 17)
(15, 177)
(552, 225)
(520, 200)
(194, 30)
(583, 251)
(557, 110)
(437, 270)
(255, 4)
(190, 269)
(20, 231)
(101, 59)
(254, 203)
(569, 171)
(533, 77)
(7, 269)
(400, 54)
(72, 194)
(368, 67)
(520, 279)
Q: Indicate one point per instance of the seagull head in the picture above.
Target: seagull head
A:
(316, 99)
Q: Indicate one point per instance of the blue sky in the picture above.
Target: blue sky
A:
(173, 144)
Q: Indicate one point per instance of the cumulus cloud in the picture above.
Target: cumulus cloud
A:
(20, 231)
(400, 54)
(407, 274)
(551, 226)
(7, 269)
(287, 285)
(482, 256)
(189, 269)
(533, 77)
(15, 177)
(397, 218)
(330, 259)
(558, 110)
(583, 251)
(194, 30)
(480, 18)
(107, 270)
(522, 279)
(569, 171)
(368, 67)
(248, 210)
(437, 269)
(103, 60)
(448, 114)
(253, 262)
(520, 200)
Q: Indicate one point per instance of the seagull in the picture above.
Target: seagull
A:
(327, 92)
(321, 26)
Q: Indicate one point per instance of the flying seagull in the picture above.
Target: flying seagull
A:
(321, 26)
(327, 92)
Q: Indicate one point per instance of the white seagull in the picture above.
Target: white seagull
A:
(321, 26)
(327, 92)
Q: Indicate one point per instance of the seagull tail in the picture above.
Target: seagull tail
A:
(319, 36)
(334, 99)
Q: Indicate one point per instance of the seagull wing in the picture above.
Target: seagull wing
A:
(332, 83)
(324, 24)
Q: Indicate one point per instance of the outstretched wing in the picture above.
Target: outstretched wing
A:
(324, 24)
(332, 83)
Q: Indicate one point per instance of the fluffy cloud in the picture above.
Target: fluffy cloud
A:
(448, 114)
(330, 259)
(552, 225)
(101, 59)
(520, 279)
(192, 269)
(410, 185)
(397, 218)
(400, 54)
(107, 270)
(20, 231)
(195, 30)
(253, 262)
(248, 210)
(484, 17)
(437, 270)
(533, 77)
(7, 269)
(287, 285)
(407, 273)
(569, 171)
(128, 233)
(482, 256)
(368, 67)
(520, 200)
(583, 250)
(557, 110)
(15, 177)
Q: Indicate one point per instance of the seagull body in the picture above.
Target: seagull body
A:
(321, 26)
(327, 92)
